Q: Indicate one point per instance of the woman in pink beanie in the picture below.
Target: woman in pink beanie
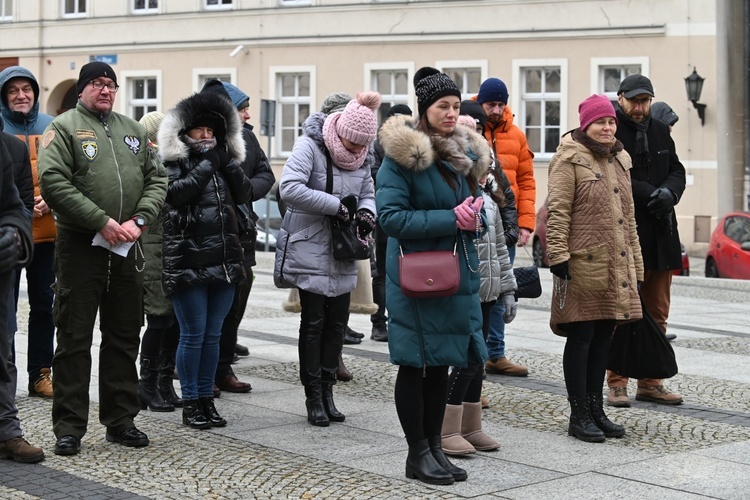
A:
(594, 254)
(327, 175)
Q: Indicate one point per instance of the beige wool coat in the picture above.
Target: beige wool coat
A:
(591, 224)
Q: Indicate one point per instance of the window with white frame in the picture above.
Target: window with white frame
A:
(202, 75)
(293, 102)
(145, 6)
(291, 3)
(6, 10)
(540, 108)
(607, 73)
(468, 75)
(393, 85)
(142, 96)
(218, 4)
(74, 8)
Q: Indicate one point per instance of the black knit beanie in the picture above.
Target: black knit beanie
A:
(430, 85)
(92, 71)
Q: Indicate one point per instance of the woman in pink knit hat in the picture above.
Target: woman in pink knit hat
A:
(594, 254)
(327, 175)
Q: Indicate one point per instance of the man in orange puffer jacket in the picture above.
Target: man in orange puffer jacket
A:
(513, 155)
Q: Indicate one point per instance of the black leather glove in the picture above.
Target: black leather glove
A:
(365, 222)
(224, 158)
(10, 248)
(561, 270)
(212, 155)
(662, 202)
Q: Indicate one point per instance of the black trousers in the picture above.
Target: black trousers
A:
(92, 280)
(420, 395)
(231, 324)
(586, 355)
(321, 336)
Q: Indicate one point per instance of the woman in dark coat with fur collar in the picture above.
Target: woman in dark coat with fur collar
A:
(201, 145)
(425, 199)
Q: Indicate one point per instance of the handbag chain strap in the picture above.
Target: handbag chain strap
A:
(561, 290)
(478, 228)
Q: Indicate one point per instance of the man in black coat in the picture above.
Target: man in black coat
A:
(658, 180)
(16, 247)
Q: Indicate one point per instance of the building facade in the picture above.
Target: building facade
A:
(551, 54)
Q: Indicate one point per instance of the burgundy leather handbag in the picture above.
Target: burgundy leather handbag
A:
(429, 274)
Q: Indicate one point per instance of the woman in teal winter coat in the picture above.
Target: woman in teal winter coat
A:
(425, 200)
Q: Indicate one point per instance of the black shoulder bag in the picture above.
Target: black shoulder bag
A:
(344, 240)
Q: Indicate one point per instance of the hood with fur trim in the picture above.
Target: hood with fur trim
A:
(178, 119)
(465, 150)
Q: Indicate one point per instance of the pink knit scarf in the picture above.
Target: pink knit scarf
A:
(342, 157)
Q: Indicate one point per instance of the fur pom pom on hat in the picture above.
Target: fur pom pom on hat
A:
(594, 107)
(430, 85)
(358, 122)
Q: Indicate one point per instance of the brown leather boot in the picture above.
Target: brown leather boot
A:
(21, 451)
(342, 373)
(502, 366)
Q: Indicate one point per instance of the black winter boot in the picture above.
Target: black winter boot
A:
(165, 382)
(421, 464)
(316, 412)
(333, 414)
(209, 411)
(596, 407)
(581, 425)
(148, 394)
(436, 448)
(192, 414)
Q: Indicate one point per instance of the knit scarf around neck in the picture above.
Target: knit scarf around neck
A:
(640, 154)
(598, 148)
(342, 157)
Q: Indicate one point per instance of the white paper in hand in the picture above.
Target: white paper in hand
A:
(121, 249)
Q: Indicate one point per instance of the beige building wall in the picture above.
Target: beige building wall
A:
(339, 42)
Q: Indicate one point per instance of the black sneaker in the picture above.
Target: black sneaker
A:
(354, 334)
(131, 437)
(379, 332)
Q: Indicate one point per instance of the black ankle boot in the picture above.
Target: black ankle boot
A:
(581, 425)
(436, 448)
(148, 393)
(596, 407)
(209, 411)
(333, 414)
(316, 412)
(165, 382)
(192, 414)
(421, 464)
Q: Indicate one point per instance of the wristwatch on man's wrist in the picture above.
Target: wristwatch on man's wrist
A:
(139, 220)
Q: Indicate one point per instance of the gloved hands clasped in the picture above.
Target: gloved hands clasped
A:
(561, 270)
(662, 202)
(511, 307)
(10, 248)
(466, 213)
(365, 222)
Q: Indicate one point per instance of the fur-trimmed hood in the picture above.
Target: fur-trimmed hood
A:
(176, 121)
(465, 150)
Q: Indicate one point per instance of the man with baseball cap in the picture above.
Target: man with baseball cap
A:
(658, 180)
(98, 259)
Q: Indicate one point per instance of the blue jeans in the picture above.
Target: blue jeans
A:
(496, 337)
(200, 311)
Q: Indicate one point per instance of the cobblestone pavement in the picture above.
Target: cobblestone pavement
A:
(700, 449)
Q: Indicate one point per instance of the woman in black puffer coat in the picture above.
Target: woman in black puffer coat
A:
(201, 145)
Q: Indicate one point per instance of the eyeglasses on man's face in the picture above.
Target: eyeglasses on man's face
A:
(98, 85)
(639, 102)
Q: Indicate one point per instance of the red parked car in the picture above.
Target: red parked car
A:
(729, 249)
(539, 244)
